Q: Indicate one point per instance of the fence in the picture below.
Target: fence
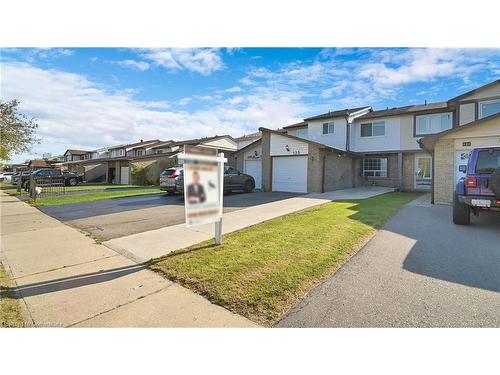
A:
(44, 186)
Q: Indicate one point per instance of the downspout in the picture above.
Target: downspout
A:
(348, 132)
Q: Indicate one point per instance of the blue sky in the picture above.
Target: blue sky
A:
(93, 97)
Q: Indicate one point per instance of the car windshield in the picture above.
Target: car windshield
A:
(488, 161)
(168, 172)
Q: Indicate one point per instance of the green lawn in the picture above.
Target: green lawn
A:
(10, 310)
(262, 271)
(77, 198)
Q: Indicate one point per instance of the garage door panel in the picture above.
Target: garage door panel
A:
(254, 169)
(290, 174)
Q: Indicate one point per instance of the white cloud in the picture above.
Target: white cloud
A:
(76, 112)
(139, 65)
(199, 60)
(233, 89)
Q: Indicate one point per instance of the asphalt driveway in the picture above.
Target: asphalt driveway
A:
(113, 218)
(419, 271)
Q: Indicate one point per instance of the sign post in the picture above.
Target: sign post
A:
(203, 187)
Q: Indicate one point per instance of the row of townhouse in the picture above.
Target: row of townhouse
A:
(136, 163)
(413, 148)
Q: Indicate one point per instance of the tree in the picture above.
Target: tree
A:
(17, 131)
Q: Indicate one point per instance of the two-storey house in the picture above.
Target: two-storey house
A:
(363, 147)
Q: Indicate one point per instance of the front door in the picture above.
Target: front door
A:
(423, 172)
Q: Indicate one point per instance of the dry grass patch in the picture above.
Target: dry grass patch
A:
(262, 271)
(10, 310)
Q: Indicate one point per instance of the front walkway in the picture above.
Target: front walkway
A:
(143, 246)
(65, 279)
(421, 270)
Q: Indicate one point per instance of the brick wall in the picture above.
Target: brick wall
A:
(444, 179)
(408, 172)
(266, 161)
(338, 171)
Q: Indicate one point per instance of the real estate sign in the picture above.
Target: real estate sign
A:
(202, 185)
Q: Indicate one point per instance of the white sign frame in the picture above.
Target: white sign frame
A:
(220, 160)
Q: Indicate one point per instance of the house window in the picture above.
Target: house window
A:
(373, 129)
(302, 133)
(489, 108)
(328, 128)
(120, 152)
(375, 167)
(139, 152)
(430, 124)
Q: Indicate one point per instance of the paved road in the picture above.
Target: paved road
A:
(420, 271)
(112, 218)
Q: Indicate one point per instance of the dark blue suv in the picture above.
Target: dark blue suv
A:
(480, 188)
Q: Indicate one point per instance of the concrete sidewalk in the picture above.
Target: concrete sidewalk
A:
(65, 279)
(143, 246)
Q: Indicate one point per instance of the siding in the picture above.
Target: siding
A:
(389, 142)
(278, 145)
(336, 140)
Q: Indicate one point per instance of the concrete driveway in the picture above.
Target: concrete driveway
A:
(419, 271)
(113, 218)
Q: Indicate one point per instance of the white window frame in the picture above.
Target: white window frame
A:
(371, 123)
(428, 119)
(139, 153)
(121, 152)
(330, 127)
(486, 102)
(303, 130)
(382, 173)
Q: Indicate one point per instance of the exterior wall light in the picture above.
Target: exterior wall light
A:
(287, 148)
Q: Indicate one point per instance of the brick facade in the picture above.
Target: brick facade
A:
(444, 179)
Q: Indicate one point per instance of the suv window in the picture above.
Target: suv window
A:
(488, 161)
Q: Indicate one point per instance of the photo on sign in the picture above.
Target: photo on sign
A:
(201, 192)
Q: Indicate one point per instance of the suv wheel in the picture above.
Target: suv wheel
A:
(461, 212)
(73, 181)
(248, 186)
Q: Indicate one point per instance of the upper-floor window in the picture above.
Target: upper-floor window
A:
(302, 133)
(121, 152)
(430, 124)
(139, 152)
(489, 108)
(328, 128)
(373, 129)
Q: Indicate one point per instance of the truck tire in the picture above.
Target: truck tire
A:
(73, 182)
(461, 212)
(495, 182)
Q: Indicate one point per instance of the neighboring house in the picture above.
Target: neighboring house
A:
(74, 155)
(247, 139)
(38, 164)
(382, 147)
(248, 159)
(160, 148)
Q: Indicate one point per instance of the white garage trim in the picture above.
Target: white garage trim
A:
(254, 169)
(290, 174)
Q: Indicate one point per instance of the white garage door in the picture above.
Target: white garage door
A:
(290, 174)
(254, 169)
(124, 175)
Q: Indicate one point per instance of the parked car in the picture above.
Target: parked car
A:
(6, 177)
(168, 179)
(480, 188)
(16, 176)
(47, 176)
(234, 180)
